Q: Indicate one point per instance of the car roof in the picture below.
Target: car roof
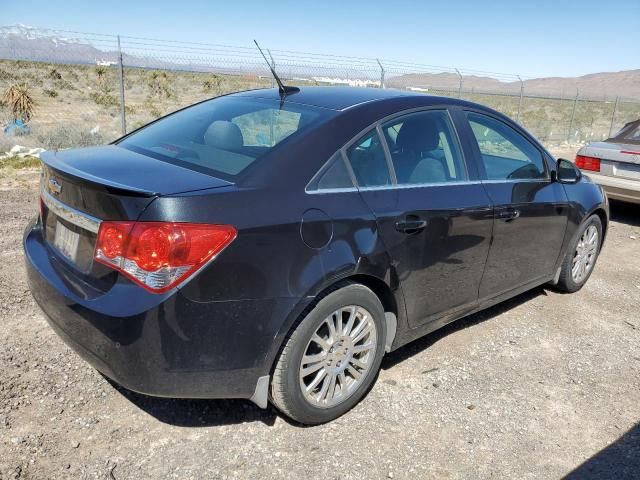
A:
(334, 98)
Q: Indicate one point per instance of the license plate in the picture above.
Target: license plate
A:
(66, 241)
(628, 170)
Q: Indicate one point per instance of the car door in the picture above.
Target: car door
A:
(433, 214)
(530, 210)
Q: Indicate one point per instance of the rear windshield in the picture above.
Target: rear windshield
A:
(633, 134)
(225, 135)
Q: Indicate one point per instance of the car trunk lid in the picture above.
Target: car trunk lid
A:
(81, 188)
(616, 159)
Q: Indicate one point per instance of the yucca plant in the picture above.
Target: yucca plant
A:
(101, 72)
(19, 102)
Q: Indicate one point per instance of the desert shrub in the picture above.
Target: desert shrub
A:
(104, 99)
(67, 136)
(19, 162)
(7, 76)
(153, 109)
(19, 102)
(64, 85)
(50, 93)
(54, 74)
(158, 83)
(212, 83)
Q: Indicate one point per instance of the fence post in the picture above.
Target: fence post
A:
(123, 118)
(381, 74)
(459, 83)
(573, 114)
(520, 101)
(613, 116)
(273, 65)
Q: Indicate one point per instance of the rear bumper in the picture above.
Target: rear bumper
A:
(161, 345)
(618, 188)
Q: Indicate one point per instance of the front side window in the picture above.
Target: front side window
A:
(424, 149)
(225, 135)
(368, 161)
(505, 153)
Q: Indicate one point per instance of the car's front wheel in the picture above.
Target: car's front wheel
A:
(581, 256)
(330, 360)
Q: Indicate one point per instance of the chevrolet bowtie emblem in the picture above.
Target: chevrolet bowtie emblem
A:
(54, 186)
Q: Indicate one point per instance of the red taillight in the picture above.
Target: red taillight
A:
(588, 163)
(160, 255)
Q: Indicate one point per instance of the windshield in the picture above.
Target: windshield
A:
(223, 136)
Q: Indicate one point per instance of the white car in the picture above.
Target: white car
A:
(615, 163)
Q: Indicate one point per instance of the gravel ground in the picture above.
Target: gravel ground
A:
(534, 388)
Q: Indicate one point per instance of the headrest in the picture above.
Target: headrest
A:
(418, 134)
(224, 135)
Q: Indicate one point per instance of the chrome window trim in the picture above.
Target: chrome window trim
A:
(420, 185)
(332, 190)
(71, 215)
(519, 180)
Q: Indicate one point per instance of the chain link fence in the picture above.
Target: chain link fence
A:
(90, 88)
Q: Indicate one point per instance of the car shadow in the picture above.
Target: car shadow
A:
(403, 353)
(207, 413)
(619, 461)
(182, 412)
(624, 212)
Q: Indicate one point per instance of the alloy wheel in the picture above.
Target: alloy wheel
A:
(585, 254)
(338, 356)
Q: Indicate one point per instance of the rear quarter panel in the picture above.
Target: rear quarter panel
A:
(270, 259)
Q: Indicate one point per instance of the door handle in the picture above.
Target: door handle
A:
(410, 226)
(508, 214)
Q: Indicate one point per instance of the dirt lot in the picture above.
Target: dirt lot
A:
(533, 388)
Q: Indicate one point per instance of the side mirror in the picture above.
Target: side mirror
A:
(567, 172)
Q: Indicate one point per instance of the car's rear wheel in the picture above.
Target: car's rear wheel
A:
(330, 360)
(581, 257)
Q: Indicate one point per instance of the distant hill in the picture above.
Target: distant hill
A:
(605, 84)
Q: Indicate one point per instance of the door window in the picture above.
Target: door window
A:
(424, 149)
(368, 161)
(505, 153)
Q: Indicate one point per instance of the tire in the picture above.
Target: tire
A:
(568, 282)
(336, 356)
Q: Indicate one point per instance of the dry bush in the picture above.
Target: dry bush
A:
(67, 136)
(104, 99)
(19, 102)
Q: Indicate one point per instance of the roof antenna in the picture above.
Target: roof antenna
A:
(282, 88)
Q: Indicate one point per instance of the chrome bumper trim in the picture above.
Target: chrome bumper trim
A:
(69, 214)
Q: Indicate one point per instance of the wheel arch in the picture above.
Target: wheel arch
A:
(390, 303)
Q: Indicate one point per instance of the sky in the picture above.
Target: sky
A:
(532, 38)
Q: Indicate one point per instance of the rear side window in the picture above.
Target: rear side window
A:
(424, 149)
(505, 153)
(368, 161)
(225, 135)
(334, 175)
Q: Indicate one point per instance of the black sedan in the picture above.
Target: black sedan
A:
(274, 246)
